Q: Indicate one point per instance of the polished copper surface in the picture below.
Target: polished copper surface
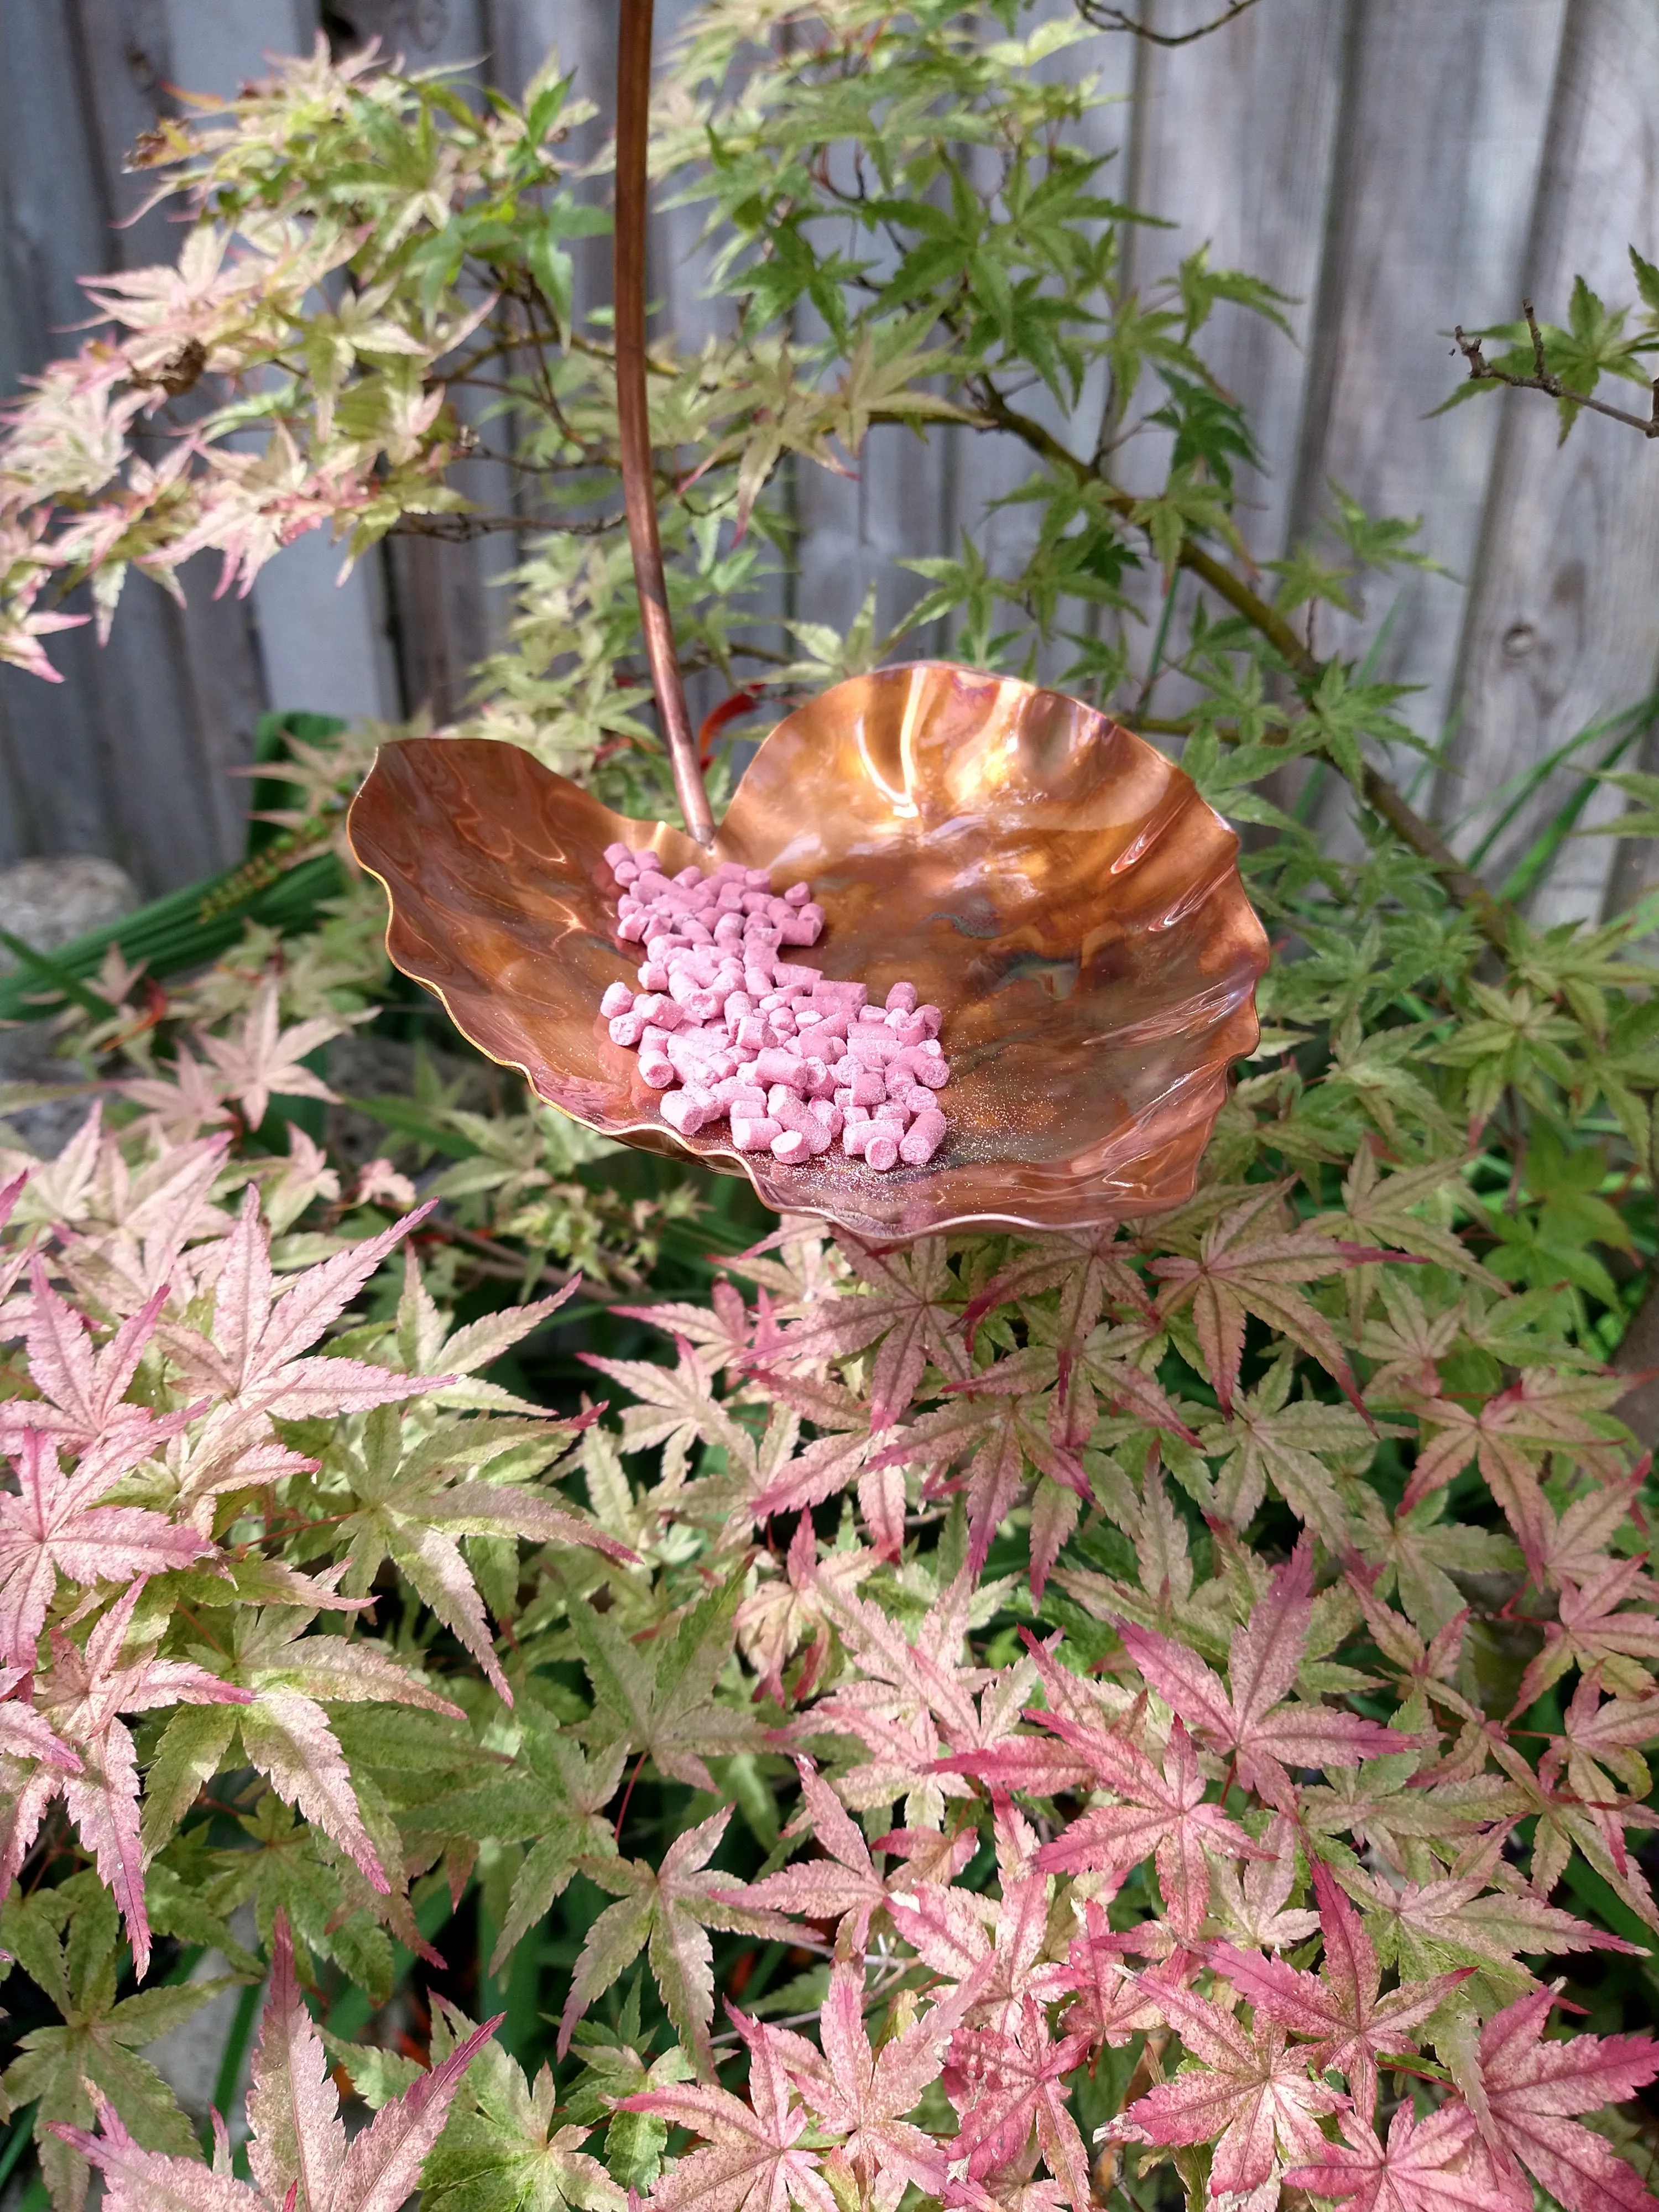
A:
(1050, 880)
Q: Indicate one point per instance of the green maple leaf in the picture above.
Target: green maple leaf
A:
(508, 2152)
(1298, 1448)
(666, 1911)
(551, 1798)
(660, 1699)
(67, 1940)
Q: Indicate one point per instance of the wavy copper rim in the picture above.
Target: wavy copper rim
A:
(1106, 868)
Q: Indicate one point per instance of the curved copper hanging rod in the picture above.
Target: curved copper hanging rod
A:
(633, 415)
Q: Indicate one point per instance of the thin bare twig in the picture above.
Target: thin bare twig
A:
(1482, 371)
(1104, 17)
(462, 529)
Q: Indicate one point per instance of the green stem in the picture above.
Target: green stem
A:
(236, 2050)
(22, 2135)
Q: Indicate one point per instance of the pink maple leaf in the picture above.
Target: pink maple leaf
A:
(754, 2161)
(1433, 2164)
(299, 2153)
(862, 2095)
(907, 1310)
(1251, 2096)
(83, 1695)
(1106, 2003)
(1161, 1816)
(842, 1886)
(1340, 2006)
(991, 1951)
(1248, 1722)
(51, 1524)
(1522, 2091)
(1005, 2082)
(255, 1357)
(263, 1057)
(82, 1391)
(1242, 1268)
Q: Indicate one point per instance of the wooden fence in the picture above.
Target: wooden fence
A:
(1396, 166)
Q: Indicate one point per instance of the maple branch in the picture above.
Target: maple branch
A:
(1104, 17)
(1482, 371)
(1461, 886)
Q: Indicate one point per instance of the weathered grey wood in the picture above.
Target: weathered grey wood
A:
(128, 757)
(1443, 120)
(322, 645)
(1560, 628)
(1393, 165)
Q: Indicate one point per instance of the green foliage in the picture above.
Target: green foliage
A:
(721, 1689)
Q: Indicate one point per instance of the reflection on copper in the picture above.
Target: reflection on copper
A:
(1050, 880)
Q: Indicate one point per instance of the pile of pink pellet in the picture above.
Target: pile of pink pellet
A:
(724, 1026)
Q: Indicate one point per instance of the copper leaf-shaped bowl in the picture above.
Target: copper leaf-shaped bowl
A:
(1052, 882)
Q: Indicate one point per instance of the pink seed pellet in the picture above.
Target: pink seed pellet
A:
(726, 1028)
(923, 1139)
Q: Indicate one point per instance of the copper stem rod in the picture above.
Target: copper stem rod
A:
(633, 416)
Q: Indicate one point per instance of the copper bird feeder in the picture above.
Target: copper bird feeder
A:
(1050, 880)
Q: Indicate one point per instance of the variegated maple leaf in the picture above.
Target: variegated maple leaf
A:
(1594, 1631)
(862, 2095)
(998, 1421)
(991, 1950)
(1251, 2096)
(1256, 1905)
(82, 1699)
(1507, 1436)
(301, 2157)
(82, 1399)
(836, 1460)
(843, 1885)
(1341, 2007)
(1523, 2091)
(676, 1409)
(911, 1699)
(753, 2159)
(412, 1508)
(670, 1908)
(256, 1357)
(1475, 1914)
(264, 1057)
(1249, 1722)
(1008, 2083)
(1433, 2164)
(660, 1699)
(1161, 1816)
(784, 1612)
(53, 1524)
(906, 1308)
(1246, 1265)
(285, 1681)
(550, 1796)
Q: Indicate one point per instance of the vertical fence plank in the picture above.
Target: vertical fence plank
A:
(1561, 629)
(128, 756)
(1441, 137)
(1394, 165)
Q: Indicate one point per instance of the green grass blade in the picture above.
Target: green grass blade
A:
(47, 974)
(170, 935)
(1539, 857)
(1513, 795)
